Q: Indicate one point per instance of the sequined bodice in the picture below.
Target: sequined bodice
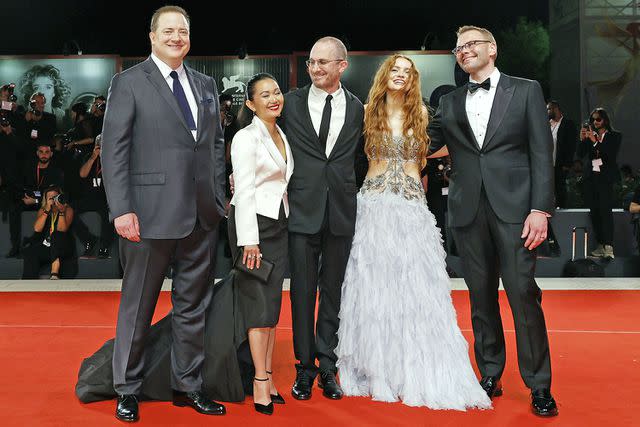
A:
(394, 179)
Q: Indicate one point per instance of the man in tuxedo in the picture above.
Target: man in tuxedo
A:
(323, 122)
(163, 169)
(565, 135)
(500, 196)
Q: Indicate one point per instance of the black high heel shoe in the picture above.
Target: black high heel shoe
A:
(263, 409)
(276, 398)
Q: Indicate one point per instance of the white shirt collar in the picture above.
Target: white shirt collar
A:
(319, 93)
(165, 70)
(494, 76)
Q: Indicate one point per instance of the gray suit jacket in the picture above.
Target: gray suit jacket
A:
(152, 166)
(515, 162)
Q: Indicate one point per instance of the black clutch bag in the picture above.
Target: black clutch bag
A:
(262, 273)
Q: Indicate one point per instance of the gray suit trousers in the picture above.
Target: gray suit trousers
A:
(145, 264)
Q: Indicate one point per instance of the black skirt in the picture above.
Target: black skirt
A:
(258, 304)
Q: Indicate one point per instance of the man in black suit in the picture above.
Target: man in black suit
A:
(564, 134)
(500, 196)
(323, 122)
(163, 169)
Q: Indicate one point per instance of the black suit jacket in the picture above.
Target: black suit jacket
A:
(151, 164)
(514, 164)
(608, 152)
(566, 143)
(318, 181)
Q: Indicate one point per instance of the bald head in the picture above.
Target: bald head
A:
(335, 45)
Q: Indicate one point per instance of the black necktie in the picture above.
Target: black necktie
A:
(486, 85)
(178, 92)
(324, 123)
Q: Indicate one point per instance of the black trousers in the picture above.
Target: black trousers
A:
(36, 255)
(98, 205)
(317, 262)
(144, 264)
(598, 197)
(15, 220)
(560, 186)
(491, 248)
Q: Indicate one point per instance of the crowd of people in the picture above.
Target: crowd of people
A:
(37, 157)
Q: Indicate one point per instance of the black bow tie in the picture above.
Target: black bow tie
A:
(486, 85)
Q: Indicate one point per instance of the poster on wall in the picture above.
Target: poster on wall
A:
(63, 81)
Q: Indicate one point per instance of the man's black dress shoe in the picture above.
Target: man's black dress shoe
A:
(329, 385)
(492, 386)
(198, 401)
(127, 408)
(302, 386)
(103, 253)
(543, 404)
(88, 246)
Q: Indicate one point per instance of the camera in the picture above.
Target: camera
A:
(4, 119)
(60, 198)
(10, 88)
(32, 108)
(587, 125)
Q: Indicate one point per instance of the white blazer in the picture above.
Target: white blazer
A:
(260, 177)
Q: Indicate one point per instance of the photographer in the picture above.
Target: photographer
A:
(37, 176)
(96, 114)
(51, 242)
(38, 126)
(563, 132)
(598, 147)
(9, 173)
(94, 199)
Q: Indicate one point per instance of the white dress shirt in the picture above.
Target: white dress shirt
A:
(165, 70)
(316, 103)
(554, 132)
(478, 106)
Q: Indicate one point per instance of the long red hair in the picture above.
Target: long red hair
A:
(376, 120)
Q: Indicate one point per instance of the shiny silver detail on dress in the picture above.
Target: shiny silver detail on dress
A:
(398, 337)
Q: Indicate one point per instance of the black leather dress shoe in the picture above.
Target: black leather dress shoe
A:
(103, 253)
(543, 404)
(301, 389)
(198, 401)
(329, 385)
(127, 408)
(492, 386)
(88, 246)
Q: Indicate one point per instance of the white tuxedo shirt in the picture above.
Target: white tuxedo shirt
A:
(260, 176)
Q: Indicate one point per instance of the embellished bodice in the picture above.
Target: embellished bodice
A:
(396, 152)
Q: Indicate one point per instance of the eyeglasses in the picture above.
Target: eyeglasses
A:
(320, 62)
(468, 45)
(596, 119)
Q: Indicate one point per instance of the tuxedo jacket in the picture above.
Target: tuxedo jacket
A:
(261, 176)
(514, 164)
(607, 150)
(151, 164)
(320, 182)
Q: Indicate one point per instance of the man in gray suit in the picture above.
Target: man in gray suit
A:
(164, 175)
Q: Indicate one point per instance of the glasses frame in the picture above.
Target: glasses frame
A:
(320, 62)
(468, 45)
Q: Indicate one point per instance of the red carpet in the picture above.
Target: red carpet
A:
(595, 348)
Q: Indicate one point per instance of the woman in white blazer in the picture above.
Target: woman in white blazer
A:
(262, 166)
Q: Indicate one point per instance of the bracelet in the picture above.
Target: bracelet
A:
(47, 212)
